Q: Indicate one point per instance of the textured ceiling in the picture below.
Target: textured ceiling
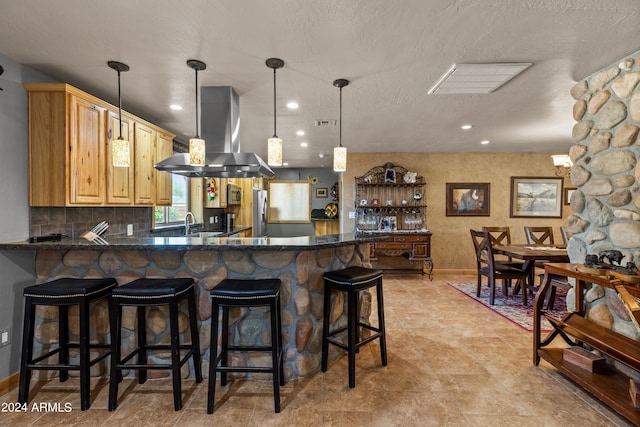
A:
(391, 51)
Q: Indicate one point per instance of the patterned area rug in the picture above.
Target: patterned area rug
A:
(511, 307)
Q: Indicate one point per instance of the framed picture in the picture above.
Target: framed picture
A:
(389, 176)
(567, 195)
(534, 197)
(467, 199)
(321, 192)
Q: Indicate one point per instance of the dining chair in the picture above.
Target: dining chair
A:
(539, 235)
(501, 236)
(487, 266)
(544, 236)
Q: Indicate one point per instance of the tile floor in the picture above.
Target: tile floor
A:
(451, 362)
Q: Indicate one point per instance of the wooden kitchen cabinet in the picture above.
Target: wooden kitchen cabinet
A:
(86, 152)
(143, 170)
(119, 180)
(70, 135)
(164, 149)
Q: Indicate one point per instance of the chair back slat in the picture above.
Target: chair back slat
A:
(498, 235)
(539, 235)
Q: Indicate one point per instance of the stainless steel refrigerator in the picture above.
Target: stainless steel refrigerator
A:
(260, 206)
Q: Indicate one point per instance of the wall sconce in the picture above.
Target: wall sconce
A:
(563, 164)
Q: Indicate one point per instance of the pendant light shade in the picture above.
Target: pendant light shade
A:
(340, 152)
(119, 146)
(274, 144)
(196, 144)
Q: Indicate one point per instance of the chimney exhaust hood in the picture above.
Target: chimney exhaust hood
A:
(220, 128)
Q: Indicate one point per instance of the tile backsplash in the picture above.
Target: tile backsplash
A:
(73, 222)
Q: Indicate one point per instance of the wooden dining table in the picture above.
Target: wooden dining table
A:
(532, 254)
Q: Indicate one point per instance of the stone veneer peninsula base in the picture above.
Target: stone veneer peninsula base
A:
(299, 262)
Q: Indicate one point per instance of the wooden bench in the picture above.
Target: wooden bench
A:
(609, 385)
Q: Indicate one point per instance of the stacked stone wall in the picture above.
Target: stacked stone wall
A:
(606, 173)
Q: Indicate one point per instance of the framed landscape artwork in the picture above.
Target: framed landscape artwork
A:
(467, 199)
(536, 197)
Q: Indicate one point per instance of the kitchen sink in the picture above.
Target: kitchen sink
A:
(205, 234)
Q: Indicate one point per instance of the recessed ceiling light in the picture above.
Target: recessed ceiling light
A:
(303, 144)
(477, 78)
(175, 107)
(485, 142)
(285, 164)
(292, 105)
(321, 155)
(466, 127)
(300, 133)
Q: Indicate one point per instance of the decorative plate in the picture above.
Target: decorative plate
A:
(331, 210)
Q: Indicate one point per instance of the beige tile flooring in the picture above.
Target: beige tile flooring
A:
(451, 362)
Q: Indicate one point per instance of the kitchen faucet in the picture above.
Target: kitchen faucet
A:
(187, 224)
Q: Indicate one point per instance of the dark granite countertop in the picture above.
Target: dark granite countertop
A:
(202, 243)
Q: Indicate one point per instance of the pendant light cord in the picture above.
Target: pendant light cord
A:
(275, 135)
(119, 105)
(197, 126)
(340, 117)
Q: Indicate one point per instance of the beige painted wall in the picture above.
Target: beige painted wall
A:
(452, 248)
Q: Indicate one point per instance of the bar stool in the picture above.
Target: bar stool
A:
(63, 293)
(245, 293)
(142, 293)
(352, 280)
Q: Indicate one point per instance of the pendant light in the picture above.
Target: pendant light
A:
(119, 146)
(196, 144)
(274, 144)
(340, 152)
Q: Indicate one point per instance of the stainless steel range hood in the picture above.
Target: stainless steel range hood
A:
(220, 107)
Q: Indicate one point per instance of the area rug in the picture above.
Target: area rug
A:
(511, 307)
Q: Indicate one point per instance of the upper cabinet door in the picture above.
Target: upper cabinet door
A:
(86, 156)
(144, 172)
(164, 149)
(119, 180)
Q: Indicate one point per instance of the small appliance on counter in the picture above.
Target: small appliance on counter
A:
(228, 222)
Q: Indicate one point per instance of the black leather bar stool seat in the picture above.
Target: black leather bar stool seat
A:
(63, 293)
(142, 293)
(352, 280)
(245, 293)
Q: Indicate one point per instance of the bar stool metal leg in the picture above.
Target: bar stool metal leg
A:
(85, 366)
(325, 329)
(381, 326)
(63, 340)
(175, 355)
(195, 338)
(27, 350)
(142, 343)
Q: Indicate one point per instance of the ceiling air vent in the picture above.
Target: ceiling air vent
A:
(325, 123)
(477, 78)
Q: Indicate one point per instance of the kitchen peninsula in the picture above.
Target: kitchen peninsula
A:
(298, 261)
